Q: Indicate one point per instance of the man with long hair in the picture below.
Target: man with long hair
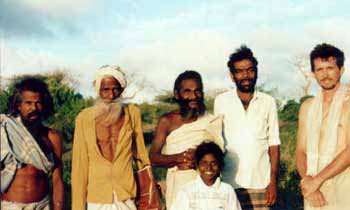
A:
(30, 151)
(180, 131)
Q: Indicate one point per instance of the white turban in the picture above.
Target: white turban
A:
(107, 70)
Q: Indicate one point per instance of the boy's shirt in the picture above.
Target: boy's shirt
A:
(196, 195)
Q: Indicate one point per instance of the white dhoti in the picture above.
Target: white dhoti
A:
(335, 189)
(206, 128)
(44, 204)
(116, 205)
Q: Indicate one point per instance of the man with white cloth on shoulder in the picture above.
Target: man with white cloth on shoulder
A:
(180, 131)
(104, 139)
(323, 153)
(251, 134)
(30, 151)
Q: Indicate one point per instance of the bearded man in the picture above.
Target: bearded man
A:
(30, 151)
(108, 136)
(180, 131)
(251, 134)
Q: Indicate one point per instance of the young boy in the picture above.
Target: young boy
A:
(207, 192)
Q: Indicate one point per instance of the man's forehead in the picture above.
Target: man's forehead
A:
(243, 64)
(187, 83)
(28, 94)
(325, 59)
(110, 81)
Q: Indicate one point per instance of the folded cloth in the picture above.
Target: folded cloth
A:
(44, 204)
(18, 147)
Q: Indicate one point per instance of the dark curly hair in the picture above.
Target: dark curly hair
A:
(325, 51)
(188, 74)
(240, 54)
(209, 147)
(34, 85)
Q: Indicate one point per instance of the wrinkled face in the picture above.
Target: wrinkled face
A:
(190, 93)
(30, 108)
(209, 169)
(190, 98)
(327, 73)
(244, 76)
(110, 89)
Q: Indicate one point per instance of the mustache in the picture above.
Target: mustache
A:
(188, 112)
(34, 113)
(324, 79)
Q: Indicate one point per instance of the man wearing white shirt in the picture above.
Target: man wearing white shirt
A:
(251, 134)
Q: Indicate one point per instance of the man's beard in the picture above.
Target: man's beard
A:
(187, 112)
(32, 123)
(108, 113)
(246, 88)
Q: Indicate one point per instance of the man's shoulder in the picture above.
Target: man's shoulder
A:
(170, 116)
(54, 135)
(306, 103)
(86, 111)
(265, 96)
(224, 95)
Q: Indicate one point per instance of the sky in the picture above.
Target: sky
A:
(156, 40)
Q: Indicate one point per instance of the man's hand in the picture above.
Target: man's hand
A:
(309, 185)
(347, 94)
(271, 193)
(316, 199)
(186, 160)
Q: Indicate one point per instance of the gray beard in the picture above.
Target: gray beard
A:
(108, 113)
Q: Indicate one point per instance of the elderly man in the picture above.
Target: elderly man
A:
(323, 146)
(107, 137)
(251, 134)
(30, 151)
(180, 131)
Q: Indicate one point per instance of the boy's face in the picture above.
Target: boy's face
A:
(209, 169)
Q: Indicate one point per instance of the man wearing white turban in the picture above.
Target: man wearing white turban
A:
(104, 138)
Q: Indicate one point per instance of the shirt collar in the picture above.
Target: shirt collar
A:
(203, 185)
(256, 94)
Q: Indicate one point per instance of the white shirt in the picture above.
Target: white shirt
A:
(196, 195)
(248, 135)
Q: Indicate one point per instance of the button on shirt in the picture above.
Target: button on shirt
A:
(196, 195)
(248, 135)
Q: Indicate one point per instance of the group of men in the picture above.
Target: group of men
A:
(108, 138)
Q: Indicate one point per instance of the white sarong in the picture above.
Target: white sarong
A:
(116, 205)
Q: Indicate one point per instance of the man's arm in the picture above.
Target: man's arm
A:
(338, 165)
(274, 154)
(315, 198)
(80, 163)
(141, 151)
(183, 160)
(271, 191)
(300, 152)
(57, 181)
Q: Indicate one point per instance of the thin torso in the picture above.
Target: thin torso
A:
(107, 137)
(342, 127)
(30, 184)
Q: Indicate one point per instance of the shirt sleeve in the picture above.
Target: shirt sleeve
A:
(273, 129)
(141, 151)
(80, 164)
(233, 203)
